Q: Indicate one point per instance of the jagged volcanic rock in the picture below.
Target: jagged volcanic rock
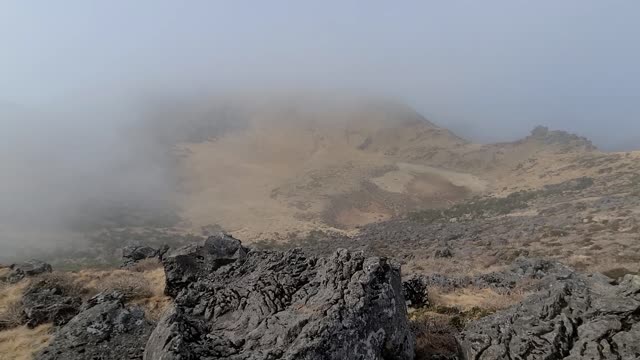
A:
(46, 300)
(235, 303)
(106, 329)
(575, 317)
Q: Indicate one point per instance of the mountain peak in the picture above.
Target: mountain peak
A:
(565, 139)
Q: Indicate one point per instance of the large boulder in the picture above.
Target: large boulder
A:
(575, 317)
(235, 303)
(106, 329)
(26, 269)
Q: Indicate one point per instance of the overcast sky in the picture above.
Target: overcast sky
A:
(490, 70)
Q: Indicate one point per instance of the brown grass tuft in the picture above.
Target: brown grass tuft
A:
(4, 271)
(67, 283)
(471, 297)
(10, 303)
(144, 288)
(11, 316)
(131, 285)
(146, 265)
(22, 343)
(158, 302)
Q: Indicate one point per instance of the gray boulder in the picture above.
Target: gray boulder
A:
(575, 317)
(26, 269)
(232, 303)
(106, 329)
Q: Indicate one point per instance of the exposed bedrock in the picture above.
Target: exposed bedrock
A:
(236, 303)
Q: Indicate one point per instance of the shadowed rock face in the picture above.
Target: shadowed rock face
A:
(575, 317)
(232, 303)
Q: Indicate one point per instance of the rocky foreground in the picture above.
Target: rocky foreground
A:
(233, 302)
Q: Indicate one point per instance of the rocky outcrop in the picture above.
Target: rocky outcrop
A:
(558, 137)
(26, 269)
(236, 303)
(575, 317)
(106, 329)
(192, 263)
(49, 300)
(132, 254)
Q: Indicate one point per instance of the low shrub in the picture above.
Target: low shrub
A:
(131, 285)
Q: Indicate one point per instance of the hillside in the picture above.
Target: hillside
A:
(280, 167)
(346, 210)
(293, 165)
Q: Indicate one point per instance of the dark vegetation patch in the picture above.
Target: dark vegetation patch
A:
(491, 206)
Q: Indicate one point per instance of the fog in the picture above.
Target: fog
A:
(77, 77)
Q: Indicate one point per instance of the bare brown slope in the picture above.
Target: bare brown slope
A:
(294, 164)
(302, 167)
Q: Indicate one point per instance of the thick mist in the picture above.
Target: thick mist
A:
(76, 145)
(67, 172)
(491, 71)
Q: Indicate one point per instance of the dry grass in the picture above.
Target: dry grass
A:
(145, 265)
(10, 304)
(66, 282)
(145, 288)
(468, 298)
(11, 293)
(11, 316)
(481, 264)
(156, 280)
(131, 285)
(22, 343)
(156, 304)
(450, 311)
(4, 271)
